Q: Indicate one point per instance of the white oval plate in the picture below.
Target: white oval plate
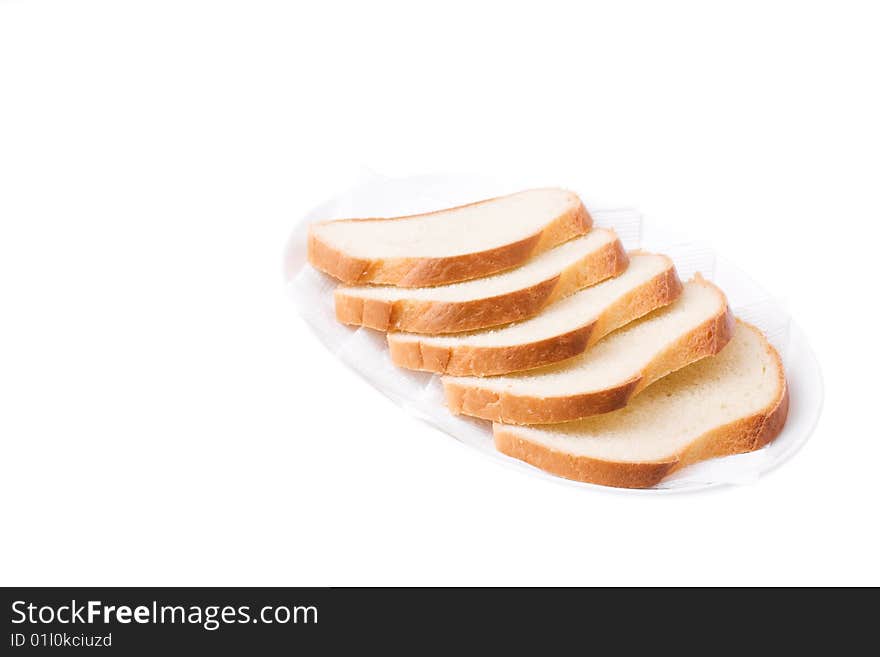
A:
(420, 393)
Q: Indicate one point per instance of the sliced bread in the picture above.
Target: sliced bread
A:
(736, 401)
(563, 330)
(500, 299)
(605, 377)
(448, 246)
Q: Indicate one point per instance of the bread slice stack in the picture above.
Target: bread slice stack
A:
(592, 363)
(498, 299)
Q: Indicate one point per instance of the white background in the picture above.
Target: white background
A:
(166, 418)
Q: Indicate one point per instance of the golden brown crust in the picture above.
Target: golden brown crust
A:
(484, 361)
(508, 407)
(581, 468)
(465, 360)
(426, 272)
(662, 290)
(744, 435)
(707, 339)
(418, 316)
(500, 406)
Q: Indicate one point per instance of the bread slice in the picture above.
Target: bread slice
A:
(734, 402)
(500, 299)
(563, 330)
(604, 378)
(451, 245)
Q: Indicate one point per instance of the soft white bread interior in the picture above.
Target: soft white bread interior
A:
(605, 377)
(448, 245)
(480, 303)
(563, 330)
(726, 404)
